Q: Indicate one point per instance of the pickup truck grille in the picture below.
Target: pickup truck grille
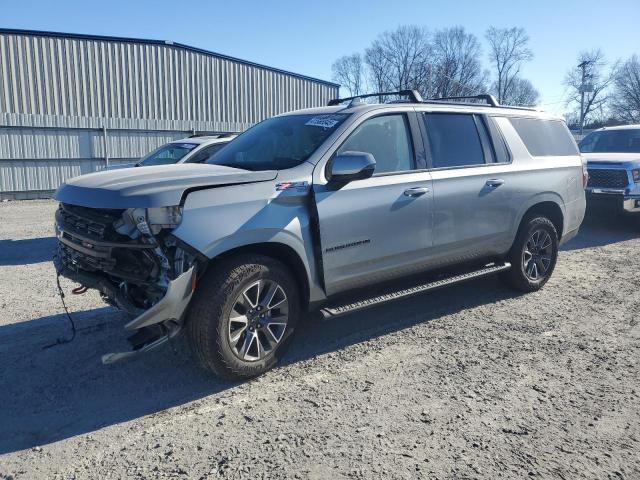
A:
(608, 178)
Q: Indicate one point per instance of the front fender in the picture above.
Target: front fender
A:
(219, 220)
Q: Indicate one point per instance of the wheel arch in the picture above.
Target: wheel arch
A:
(278, 251)
(550, 208)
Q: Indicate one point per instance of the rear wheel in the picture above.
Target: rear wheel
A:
(533, 255)
(243, 316)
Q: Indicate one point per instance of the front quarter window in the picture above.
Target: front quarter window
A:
(279, 142)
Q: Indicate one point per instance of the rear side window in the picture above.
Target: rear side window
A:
(545, 138)
(454, 140)
(501, 151)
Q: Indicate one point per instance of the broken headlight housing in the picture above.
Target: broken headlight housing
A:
(148, 221)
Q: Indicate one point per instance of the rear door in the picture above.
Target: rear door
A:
(474, 207)
(380, 227)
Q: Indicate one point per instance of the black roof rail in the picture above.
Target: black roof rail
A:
(414, 96)
(490, 99)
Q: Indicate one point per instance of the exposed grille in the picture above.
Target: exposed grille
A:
(88, 241)
(78, 260)
(608, 178)
(91, 222)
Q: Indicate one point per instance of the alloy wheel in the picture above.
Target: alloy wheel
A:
(258, 320)
(537, 255)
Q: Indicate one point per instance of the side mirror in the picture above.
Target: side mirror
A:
(349, 166)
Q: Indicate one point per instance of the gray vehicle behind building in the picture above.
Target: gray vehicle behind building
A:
(330, 208)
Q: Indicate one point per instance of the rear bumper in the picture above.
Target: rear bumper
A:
(613, 199)
(569, 236)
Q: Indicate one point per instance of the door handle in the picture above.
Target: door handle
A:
(494, 182)
(416, 191)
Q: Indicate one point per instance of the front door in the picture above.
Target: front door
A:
(380, 227)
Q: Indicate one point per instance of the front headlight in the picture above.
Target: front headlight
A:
(635, 173)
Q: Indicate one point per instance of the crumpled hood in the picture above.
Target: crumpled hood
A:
(622, 159)
(146, 187)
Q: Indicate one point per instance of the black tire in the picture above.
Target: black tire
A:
(518, 276)
(208, 321)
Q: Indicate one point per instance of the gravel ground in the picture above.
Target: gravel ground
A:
(473, 381)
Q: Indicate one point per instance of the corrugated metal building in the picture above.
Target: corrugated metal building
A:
(71, 104)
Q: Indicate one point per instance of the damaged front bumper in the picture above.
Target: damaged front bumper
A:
(150, 277)
(153, 327)
(167, 314)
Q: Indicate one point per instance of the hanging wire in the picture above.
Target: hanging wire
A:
(62, 341)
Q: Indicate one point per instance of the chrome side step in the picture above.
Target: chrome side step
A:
(335, 310)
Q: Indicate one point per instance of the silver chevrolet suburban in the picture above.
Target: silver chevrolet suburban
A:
(335, 209)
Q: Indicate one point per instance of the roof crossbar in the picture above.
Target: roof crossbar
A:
(414, 96)
(490, 99)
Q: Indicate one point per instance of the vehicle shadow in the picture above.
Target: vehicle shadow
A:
(56, 393)
(27, 251)
(599, 229)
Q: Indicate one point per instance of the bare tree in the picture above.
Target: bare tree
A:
(457, 67)
(626, 96)
(348, 72)
(508, 51)
(378, 68)
(399, 59)
(521, 92)
(596, 76)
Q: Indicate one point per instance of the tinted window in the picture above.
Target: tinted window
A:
(387, 139)
(615, 141)
(206, 153)
(545, 137)
(167, 154)
(454, 140)
(499, 146)
(279, 142)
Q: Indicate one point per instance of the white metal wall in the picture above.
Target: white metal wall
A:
(58, 92)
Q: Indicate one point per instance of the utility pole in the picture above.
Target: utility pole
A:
(583, 66)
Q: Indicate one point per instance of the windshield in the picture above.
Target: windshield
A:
(167, 154)
(614, 141)
(279, 142)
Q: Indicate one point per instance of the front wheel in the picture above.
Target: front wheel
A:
(533, 255)
(243, 316)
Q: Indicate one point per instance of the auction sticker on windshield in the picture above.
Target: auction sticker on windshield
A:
(324, 121)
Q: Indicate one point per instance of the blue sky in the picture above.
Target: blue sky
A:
(306, 36)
